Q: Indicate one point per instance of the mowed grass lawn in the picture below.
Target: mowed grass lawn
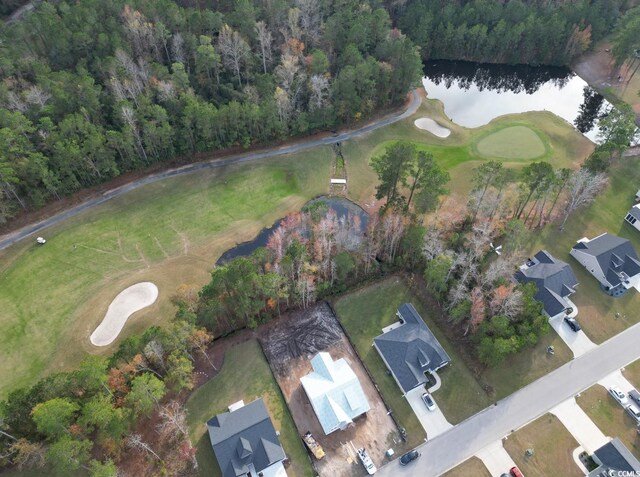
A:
(512, 142)
(632, 373)
(170, 232)
(596, 310)
(245, 376)
(469, 468)
(610, 417)
(552, 445)
(458, 153)
(365, 312)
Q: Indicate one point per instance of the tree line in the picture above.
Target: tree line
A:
(517, 31)
(92, 89)
(88, 419)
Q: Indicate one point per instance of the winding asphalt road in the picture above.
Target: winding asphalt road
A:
(467, 438)
(13, 237)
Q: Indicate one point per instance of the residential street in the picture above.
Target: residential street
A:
(13, 237)
(467, 438)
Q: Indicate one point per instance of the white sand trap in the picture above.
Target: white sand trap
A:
(433, 127)
(128, 301)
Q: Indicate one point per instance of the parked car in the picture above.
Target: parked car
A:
(634, 412)
(409, 457)
(429, 402)
(573, 323)
(618, 395)
(515, 472)
(635, 395)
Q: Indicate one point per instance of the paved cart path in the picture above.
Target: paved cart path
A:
(13, 237)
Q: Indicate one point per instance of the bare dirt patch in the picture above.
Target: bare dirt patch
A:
(597, 68)
(289, 343)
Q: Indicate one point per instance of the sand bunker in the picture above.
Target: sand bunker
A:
(128, 301)
(433, 127)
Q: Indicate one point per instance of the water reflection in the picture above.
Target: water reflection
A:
(590, 110)
(473, 94)
(344, 209)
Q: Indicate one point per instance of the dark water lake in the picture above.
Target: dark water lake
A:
(473, 93)
(343, 208)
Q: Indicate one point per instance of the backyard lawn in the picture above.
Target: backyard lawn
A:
(245, 375)
(610, 417)
(365, 312)
(600, 315)
(552, 445)
(469, 468)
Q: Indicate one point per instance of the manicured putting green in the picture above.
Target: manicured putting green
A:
(515, 142)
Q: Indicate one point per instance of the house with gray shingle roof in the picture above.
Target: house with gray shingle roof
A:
(612, 260)
(554, 279)
(614, 458)
(335, 392)
(410, 349)
(246, 443)
(633, 216)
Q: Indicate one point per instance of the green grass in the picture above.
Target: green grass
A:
(170, 232)
(525, 367)
(469, 468)
(552, 446)
(596, 310)
(245, 375)
(512, 142)
(365, 312)
(632, 373)
(609, 416)
(564, 146)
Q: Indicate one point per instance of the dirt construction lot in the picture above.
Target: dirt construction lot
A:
(289, 344)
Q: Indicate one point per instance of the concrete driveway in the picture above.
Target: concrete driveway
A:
(434, 422)
(496, 459)
(616, 379)
(578, 342)
(580, 425)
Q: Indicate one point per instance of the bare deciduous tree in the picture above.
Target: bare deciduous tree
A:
(234, 50)
(173, 420)
(134, 441)
(310, 20)
(36, 95)
(139, 30)
(319, 86)
(28, 455)
(291, 77)
(177, 48)
(582, 188)
(265, 41)
(15, 102)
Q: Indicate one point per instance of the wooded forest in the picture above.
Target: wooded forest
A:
(550, 32)
(92, 89)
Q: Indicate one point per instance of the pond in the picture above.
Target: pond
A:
(342, 207)
(473, 93)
